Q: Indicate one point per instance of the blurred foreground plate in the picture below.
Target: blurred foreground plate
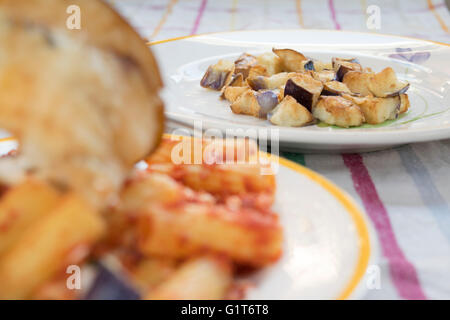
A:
(328, 242)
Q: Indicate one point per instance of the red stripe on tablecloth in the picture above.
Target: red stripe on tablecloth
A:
(201, 10)
(403, 273)
(337, 26)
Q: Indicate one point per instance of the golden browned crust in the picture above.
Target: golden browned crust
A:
(83, 103)
(101, 26)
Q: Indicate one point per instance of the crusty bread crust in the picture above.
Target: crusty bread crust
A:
(101, 26)
(83, 103)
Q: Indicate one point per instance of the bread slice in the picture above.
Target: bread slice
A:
(83, 103)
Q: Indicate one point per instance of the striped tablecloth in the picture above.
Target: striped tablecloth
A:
(405, 191)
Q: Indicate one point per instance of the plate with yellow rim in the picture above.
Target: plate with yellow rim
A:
(422, 63)
(329, 243)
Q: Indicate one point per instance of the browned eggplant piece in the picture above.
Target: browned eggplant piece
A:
(334, 88)
(304, 89)
(336, 110)
(404, 103)
(290, 113)
(357, 82)
(244, 63)
(342, 66)
(236, 80)
(257, 70)
(377, 110)
(232, 93)
(267, 101)
(309, 66)
(217, 75)
(271, 62)
(335, 61)
(324, 75)
(321, 66)
(272, 82)
(385, 84)
(246, 103)
(293, 61)
(256, 104)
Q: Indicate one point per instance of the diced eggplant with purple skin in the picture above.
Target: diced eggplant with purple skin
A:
(267, 101)
(256, 104)
(342, 66)
(321, 66)
(272, 82)
(290, 113)
(324, 75)
(232, 93)
(293, 61)
(304, 89)
(309, 65)
(335, 61)
(236, 80)
(385, 84)
(336, 110)
(334, 88)
(218, 75)
(271, 62)
(345, 67)
(357, 82)
(404, 103)
(244, 63)
(257, 83)
(377, 110)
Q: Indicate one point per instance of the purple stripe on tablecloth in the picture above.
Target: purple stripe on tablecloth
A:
(429, 193)
(337, 26)
(201, 10)
(403, 273)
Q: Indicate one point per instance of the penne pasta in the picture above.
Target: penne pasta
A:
(49, 247)
(204, 278)
(21, 207)
(184, 225)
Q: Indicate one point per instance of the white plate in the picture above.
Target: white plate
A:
(328, 241)
(184, 61)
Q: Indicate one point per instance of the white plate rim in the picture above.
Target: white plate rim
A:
(341, 137)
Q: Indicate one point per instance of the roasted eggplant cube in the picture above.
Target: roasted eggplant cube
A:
(304, 89)
(236, 80)
(309, 66)
(322, 66)
(246, 103)
(271, 62)
(292, 61)
(404, 103)
(336, 61)
(385, 84)
(334, 88)
(257, 71)
(267, 101)
(273, 82)
(217, 75)
(290, 113)
(345, 67)
(336, 110)
(256, 104)
(244, 63)
(358, 82)
(377, 110)
(233, 93)
(324, 75)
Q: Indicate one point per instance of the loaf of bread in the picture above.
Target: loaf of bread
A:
(83, 103)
